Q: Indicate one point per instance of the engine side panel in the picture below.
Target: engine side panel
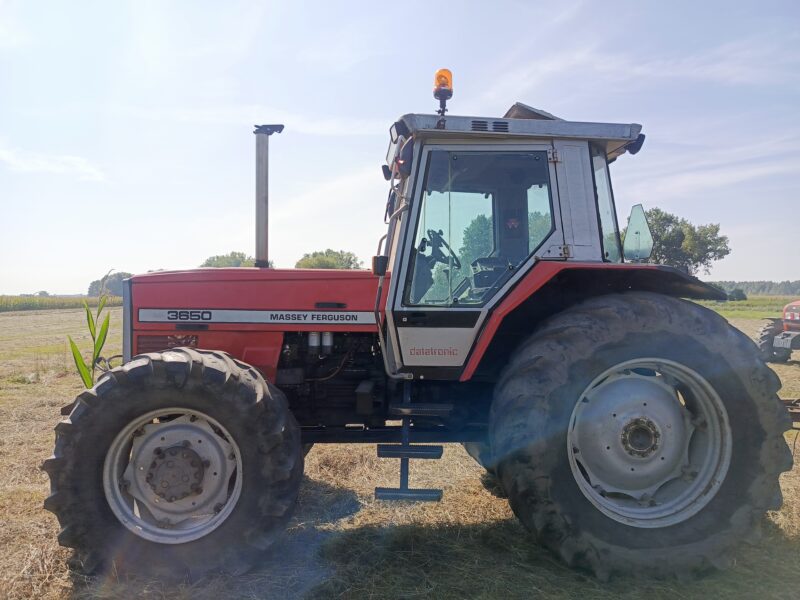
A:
(246, 312)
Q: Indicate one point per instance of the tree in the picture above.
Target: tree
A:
(231, 259)
(42, 294)
(113, 284)
(762, 288)
(478, 239)
(329, 259)
(679, 243)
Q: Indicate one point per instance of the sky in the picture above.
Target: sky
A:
(126, 127)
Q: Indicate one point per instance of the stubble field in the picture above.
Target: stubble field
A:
(341, 542)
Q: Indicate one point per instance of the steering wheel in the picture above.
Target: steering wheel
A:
(437, 241)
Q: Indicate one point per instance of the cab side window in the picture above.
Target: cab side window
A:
(482, 215)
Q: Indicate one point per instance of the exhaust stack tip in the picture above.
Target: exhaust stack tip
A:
(268, 129)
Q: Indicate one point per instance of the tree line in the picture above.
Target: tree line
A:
(761, 288)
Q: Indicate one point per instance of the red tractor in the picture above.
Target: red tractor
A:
(632, 430)
(778, 337)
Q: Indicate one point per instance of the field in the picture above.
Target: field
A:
(16, 303)
(755, 307)
(341, 542)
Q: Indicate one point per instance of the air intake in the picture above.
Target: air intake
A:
(480, 126)
(500, 126)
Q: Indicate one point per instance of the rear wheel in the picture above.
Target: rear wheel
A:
(480, 453)
(766, 337)
(176, 464)
(639, 433)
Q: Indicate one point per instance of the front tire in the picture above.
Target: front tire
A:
(175, 465)
(765, 340)
(688, 402)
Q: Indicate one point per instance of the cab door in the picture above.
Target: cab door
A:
(478, 217)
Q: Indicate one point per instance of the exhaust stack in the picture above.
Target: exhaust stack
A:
(262, 191)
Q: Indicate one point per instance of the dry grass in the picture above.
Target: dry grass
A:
(341, 542)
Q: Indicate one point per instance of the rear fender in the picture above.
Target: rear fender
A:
(550, 287)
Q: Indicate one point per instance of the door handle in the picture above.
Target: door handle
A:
(414, 318)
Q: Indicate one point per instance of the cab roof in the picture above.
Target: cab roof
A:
(528, 122)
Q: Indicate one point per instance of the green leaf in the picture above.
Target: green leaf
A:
(100, 304)
(83, 370)
(89, 319)
(101, 339)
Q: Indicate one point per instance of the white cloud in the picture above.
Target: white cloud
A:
(33, 162)
(754, 61)
(688, 184)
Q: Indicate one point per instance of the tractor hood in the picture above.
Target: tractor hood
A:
(257, 289)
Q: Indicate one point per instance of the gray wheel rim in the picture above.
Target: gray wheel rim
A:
(649, 442)
(172, 475)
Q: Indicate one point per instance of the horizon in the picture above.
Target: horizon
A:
(126, 129)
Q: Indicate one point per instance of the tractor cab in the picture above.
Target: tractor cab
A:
(476, 203)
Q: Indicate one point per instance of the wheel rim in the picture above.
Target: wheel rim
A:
(649, 442)
(172, 475)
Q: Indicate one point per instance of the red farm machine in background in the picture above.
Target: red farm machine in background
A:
(778, 337)
(632, 431)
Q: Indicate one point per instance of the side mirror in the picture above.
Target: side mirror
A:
(638, 244)
(379, 265)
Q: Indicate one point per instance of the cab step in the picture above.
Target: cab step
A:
(409, 451)
(405, 451)
(420, 410)
(382, 493)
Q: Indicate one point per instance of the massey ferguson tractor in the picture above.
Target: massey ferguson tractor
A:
(631, 430)
(778, 337)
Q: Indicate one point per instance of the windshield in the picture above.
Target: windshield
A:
(482, 215)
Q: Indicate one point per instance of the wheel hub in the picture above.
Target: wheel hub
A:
(640, 437)
(618, 433)
(176, 472)
(173, 475)
(649, 442)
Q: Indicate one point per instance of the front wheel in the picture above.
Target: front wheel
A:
(174, 465)
(639, 433)
(765, 342)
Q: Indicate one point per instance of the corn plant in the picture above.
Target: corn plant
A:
(87, 371)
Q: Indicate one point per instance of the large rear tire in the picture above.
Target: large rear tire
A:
(639, 433)
(766, 337)
(174, 465)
